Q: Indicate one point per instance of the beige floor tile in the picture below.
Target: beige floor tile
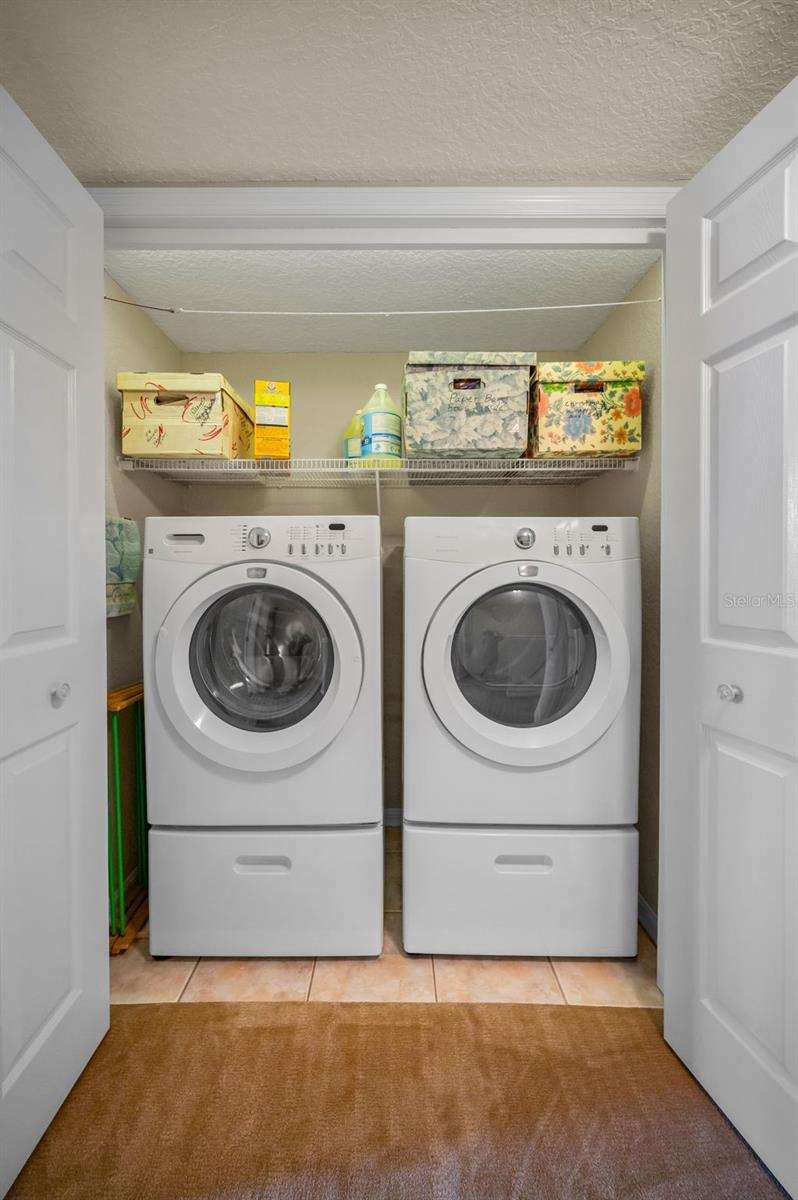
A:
(250, 979)
(136, 978)
(393, 977)
(393, 839)
(621, 982)
(393, 883)
(496, 981)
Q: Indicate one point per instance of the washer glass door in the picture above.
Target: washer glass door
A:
(523, 655)
(261, 658)
(258, 676)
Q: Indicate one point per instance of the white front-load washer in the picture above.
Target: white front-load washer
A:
(521, 732)
(262, 677)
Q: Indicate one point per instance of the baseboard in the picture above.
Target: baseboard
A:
(392, 816)
(647, 918)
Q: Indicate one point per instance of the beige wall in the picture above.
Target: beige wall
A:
(132, 343)
(636, 333)
(325, 389)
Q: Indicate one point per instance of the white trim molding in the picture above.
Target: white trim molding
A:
(242, 218)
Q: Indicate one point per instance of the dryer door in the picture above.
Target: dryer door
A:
(258, 666)
(526, 663)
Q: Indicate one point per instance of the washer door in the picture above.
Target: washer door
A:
(526, 663)
(258, 666)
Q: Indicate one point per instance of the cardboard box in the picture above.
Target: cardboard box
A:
(588, 409)
(467, 404)
(272, 419)
(183, 415)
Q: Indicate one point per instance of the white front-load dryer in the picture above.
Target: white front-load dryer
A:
(262, 674)
(521, 732)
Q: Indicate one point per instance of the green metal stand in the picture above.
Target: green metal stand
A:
(118, 701)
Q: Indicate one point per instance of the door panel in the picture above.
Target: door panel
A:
(749, 945)
(37, 989)
(53, 881)
(39, 404)
(729, 744)
(749, 472)
(37, 238)
(753, 230)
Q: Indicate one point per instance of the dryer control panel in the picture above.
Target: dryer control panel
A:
(587, 540)
(304, 540)
(572, 541)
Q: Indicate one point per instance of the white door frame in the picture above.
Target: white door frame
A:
(293, 218)
(340, 218)
(381, 218)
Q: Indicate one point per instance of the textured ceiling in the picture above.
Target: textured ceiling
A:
(394, 91)
(378, 279)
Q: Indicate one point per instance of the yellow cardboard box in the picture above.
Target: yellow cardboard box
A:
(272, 419)
(588, 409)
(183, 415)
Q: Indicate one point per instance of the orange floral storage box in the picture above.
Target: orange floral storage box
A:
(183, 415)
(588, 409)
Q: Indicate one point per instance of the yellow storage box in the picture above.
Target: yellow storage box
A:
(272, 419)
(588, 409)
(183, 415)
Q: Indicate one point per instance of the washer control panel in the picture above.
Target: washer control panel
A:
(300, 540)
(314, 541)
(319, 540)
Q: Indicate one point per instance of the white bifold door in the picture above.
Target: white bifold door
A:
(730, 632)
(53, 882)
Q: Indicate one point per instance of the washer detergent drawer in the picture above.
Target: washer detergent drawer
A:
(266, 892)
(520, 891)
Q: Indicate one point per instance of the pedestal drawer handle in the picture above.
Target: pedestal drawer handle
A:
(730, 692)
(262, 864)
(537, 864)
(59, 693)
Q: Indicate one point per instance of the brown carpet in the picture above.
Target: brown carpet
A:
(389, 1102)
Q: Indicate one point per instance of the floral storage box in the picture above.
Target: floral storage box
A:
(467, 404)
(588, 409)
(183, 415)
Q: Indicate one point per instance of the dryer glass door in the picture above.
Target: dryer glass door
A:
(522, 671)
(523, 655)
(261, 658)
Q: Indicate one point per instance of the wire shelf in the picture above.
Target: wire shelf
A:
(339, 472)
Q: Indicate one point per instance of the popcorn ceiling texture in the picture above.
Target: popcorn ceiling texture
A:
(450, 92)
(381, 280)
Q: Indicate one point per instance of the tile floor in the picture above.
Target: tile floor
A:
(136, 978)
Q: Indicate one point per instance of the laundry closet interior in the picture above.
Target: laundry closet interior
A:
(575, 304)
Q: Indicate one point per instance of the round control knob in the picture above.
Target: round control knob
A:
(259, 537)
(525, 539)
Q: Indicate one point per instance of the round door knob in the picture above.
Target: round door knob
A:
(259, 537)
(525, 538)
(59, 694)
(730, 692)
